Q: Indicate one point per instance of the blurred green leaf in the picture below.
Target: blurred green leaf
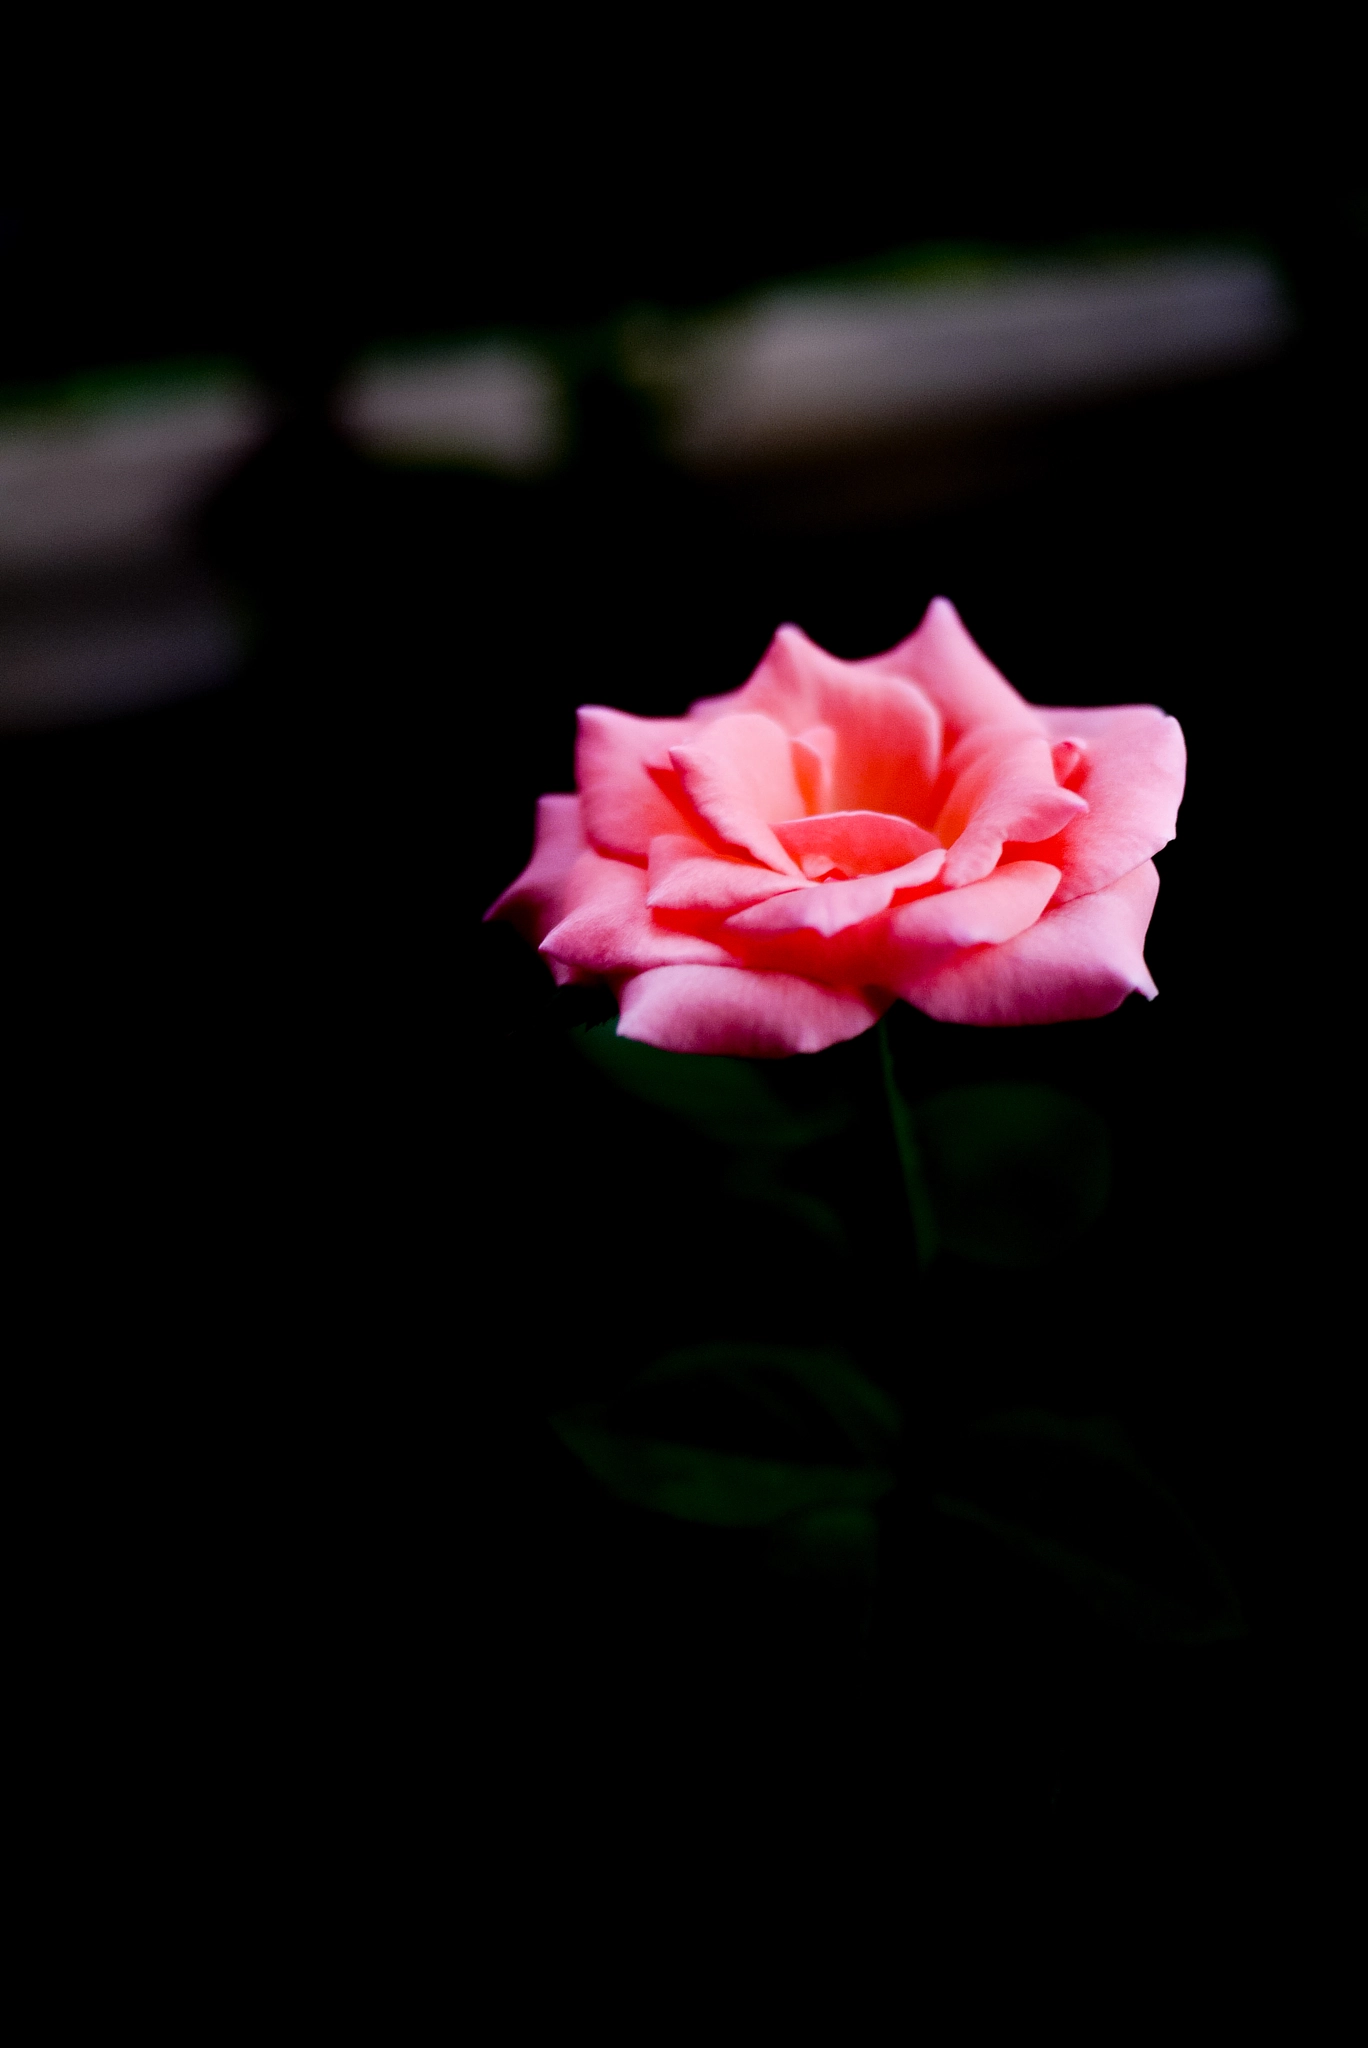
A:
(1017, 1171)
(720, 1487)
(1072, 1498)
(783, 1431)
(769, 1376)
(726, 1099)
(838, 1544)
(754, 1177)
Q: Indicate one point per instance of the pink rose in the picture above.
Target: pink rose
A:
(765, 875)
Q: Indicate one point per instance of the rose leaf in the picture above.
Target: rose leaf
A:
(743, 1436)
(697, 1485)
(839, 1544)
(724, 1098)
(1070, 1498)
(754, 1178)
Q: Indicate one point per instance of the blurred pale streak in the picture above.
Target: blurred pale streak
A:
(496, 406)
(102, 605)
(115, 479)
(801, 371)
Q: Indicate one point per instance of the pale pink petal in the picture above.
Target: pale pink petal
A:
(958, 678)
(738, 774)
(682, 876)
(814, 764)
(888, 733)
(831, 907)
(985, 913)
(856, 957)
(889, 742)
(1130, 766)
(1091, 721)
(734, 1010)
(624, 806)
(860, 842)
(1081, 960)
(1003, 788)
(610, 930)
(537, 899)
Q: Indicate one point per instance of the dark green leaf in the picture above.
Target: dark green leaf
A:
(726, 1099)
(755, 1178)
(697, 1485)
(1071, 1498)
(1017, 1170)
(770, 1375)
(839, 1544)
(777, 1431)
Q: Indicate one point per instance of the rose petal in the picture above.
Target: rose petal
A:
(814, 764)
(1004, 788)
(889, 743)
(861, 842)
(683, 876)
(955, 675)
(611, 931)
(1082, 959)
(738, 774)
(1131, 771)
(734, 1010)
(624, 807)
(985, 913)
(1091, 722)
(888, 733)
(831, 907)
(535, 901)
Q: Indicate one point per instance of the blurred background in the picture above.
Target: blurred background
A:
(353, 430)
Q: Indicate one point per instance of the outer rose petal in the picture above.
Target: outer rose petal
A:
(536, 900)
(1081, 960)
(1131, 772)
(888, 733)
(738, 773)
(957, 677)
(624, 807)
(749, 1015)
(686, 877)
(610, 930)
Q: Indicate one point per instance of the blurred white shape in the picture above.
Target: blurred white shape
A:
(111, 481)
(102, 607)
(495, 407)
(800, 370)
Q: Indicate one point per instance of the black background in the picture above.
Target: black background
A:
(312, 1208)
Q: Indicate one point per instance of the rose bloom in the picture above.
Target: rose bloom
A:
(765, 875)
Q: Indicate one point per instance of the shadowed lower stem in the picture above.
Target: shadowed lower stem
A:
(925, 1235)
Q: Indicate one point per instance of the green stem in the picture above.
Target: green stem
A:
(925, 1235)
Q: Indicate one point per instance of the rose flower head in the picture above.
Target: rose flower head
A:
(766, 874)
